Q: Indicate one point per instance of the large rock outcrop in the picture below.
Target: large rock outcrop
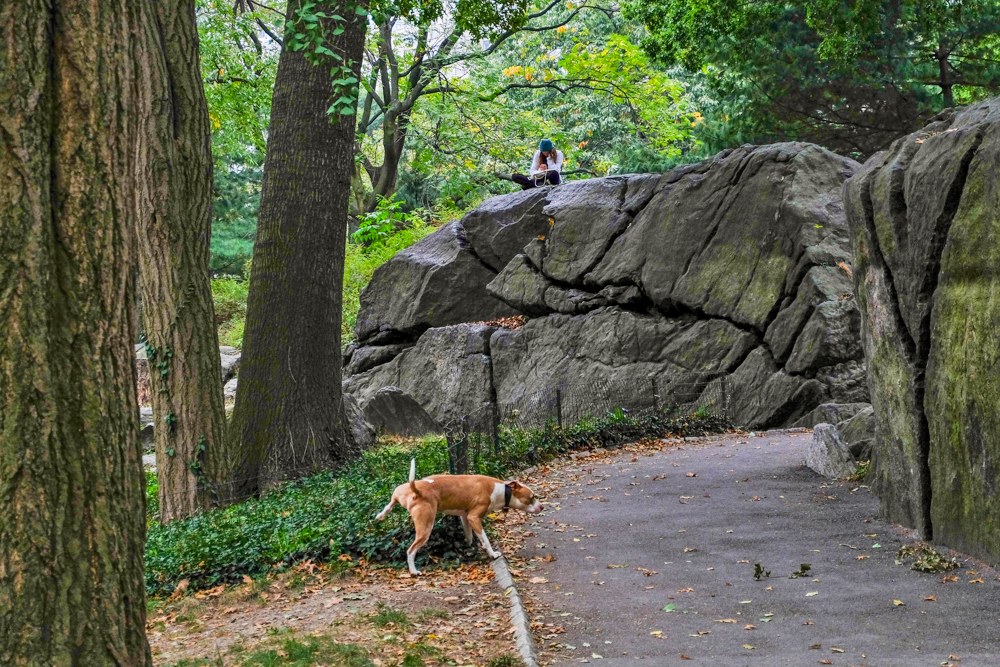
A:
(435, 282)
(925, 221)
(737, 267)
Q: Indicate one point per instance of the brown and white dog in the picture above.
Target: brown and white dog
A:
(470, 497)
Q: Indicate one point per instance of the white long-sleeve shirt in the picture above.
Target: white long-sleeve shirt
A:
(553, 165)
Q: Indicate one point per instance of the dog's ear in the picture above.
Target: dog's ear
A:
(514, 484)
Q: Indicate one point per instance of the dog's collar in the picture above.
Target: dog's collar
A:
(507, 492)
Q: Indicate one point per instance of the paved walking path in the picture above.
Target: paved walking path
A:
(698, 537)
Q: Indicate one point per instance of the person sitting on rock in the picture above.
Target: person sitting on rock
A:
(546, 164)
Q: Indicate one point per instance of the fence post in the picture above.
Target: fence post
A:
(559, 407)
(450, 440)
(496, 429)
(656, 394)
(462, 450)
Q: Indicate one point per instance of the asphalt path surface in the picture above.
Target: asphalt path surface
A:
(697, 538)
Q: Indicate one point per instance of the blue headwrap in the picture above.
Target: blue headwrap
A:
(546, 145)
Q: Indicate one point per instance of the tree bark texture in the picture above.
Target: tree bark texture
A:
(288, 418)
(175, 227)
(72, 525)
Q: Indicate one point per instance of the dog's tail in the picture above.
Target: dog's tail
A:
(413, 476)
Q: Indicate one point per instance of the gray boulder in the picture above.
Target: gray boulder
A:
(229, 390)
(736, 227)
(762, 394)
(859, 433)
(612, 356)
(366, 357)
(392, 410)
(363, 432)
(447, 373)
(828, 454)
(500, 226)
(230, 364)
(925, 216)
(831, 413)
(435, 282)
(146, 427)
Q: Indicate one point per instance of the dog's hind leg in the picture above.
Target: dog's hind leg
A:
(385, 510)
(477, 526)
(467, 528)
(423, 521)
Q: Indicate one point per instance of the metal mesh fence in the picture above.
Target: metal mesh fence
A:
(512, 431)
(634, 406)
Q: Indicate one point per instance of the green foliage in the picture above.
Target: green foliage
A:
(323, 516)
(311, 32)
(861, 473)
(387, 218)
(152, 497)
(230, 296)
(852, 76)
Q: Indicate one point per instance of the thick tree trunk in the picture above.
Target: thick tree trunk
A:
(289, 417)
(72, 525)
(174, 232)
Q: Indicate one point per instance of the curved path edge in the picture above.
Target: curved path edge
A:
(518, 615)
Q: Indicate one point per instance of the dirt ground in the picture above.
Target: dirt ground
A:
(453, 617)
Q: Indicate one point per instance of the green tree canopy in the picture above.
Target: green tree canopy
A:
(852, 75)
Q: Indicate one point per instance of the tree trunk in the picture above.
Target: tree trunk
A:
(947, 80)
(72, 527)
(393, 144)
(289, 418)
(175, 228)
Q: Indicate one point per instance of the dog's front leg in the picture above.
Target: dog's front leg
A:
(477, 527)
(467, 528)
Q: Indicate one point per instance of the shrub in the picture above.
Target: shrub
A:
(332, 513)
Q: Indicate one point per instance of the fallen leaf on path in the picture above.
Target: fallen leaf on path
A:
(330, 603)
(691, 474)
(816, 646)
(950, 577)
(725, 620)
(976, 581)
(748, 647)
(750, 627)
(862, 557)
(824, 661)
(836, 650)
(689, 550)
(684, 657)
(809, 595)
(538, 580)
(656, 632)
(930, 598)
(899, 603)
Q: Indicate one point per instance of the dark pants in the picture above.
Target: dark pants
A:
(527, 182)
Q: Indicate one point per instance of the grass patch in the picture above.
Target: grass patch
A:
(332, 513)
(427, 614)
(505, 660)
(384, 615)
